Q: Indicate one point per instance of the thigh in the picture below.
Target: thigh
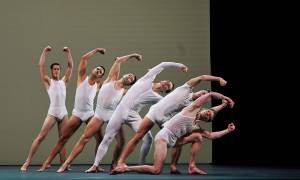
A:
(48, 124)
(160, 153)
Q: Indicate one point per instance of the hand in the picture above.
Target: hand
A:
(224, 101)
(137, 56)
(231, 127)
(184, 68)
(101, 50)
(222, 82)
(47, 49)
(66, 49)
(230, 102)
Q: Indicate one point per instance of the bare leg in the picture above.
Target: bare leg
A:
(176, 151)
(61, 126)
(160, 154)
(92, 128)
(48, 124)
(72, 125)
(192, 165)
(144, 127)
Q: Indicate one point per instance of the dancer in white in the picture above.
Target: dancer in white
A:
(109, 96)
(179, 131)
(143, 92)
(84, 100)
(57, 112)
(164, 110)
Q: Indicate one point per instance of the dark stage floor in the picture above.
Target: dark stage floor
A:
(214, 172)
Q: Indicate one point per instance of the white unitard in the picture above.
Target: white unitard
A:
(84, 100)
(170, 105)
(57, 96)
(138, 95)
(175, 128)
(107, 101)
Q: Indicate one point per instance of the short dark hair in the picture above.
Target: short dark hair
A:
(134, 79)
(103, 69)
(169, 90)
(54, 64)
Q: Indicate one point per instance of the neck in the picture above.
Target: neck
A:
(92, 79)
(119, 83)
(55, 78)
(156, 87)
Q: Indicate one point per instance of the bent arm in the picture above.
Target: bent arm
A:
(195, 81)
(218, 108)
(45, 78)
(83, 62)
(116, 67)
(218, 134)
(69, 70)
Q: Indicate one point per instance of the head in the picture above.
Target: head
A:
(206, 115)
(98, 71)
(55, 70)
(129, 79)
(167, 86)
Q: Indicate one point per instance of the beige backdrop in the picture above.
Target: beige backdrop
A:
(161, 30)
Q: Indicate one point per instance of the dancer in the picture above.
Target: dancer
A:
(57, 112)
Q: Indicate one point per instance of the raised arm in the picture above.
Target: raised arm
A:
(45, 78)
(69, 70)
(116, 67)
(195, 81)
(158, 68)
(193, 108)
(83, 63)
(218, 134)
(218, 108)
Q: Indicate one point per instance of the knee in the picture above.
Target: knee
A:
(84, 139)
(198, 138)
(40, 138)
(148, 138)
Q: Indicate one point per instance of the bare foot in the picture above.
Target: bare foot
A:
(174, 170)
(120, 168)
(196, 171)
(44, 167)
(24, 167)
(62, 168)
(94, 169)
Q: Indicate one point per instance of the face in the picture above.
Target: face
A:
(55, 71)
(166, 85)
(128, 79)
(205, 115)
(98, 72)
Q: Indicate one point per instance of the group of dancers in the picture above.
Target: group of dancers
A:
(179, 114)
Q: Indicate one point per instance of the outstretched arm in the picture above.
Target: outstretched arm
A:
(45, 78)
(116, 67)
(218, 134)
(195, 81)
(83, 63)
(158, 68)
(69, 70)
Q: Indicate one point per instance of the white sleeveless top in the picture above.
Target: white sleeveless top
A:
(180, 125)
(85, 95)
(109, 97)
(57, 96)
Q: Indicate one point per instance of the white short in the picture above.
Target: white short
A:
(58, 112)
(156, 117)
(166, 135)
(103, 114)
(84, 116)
